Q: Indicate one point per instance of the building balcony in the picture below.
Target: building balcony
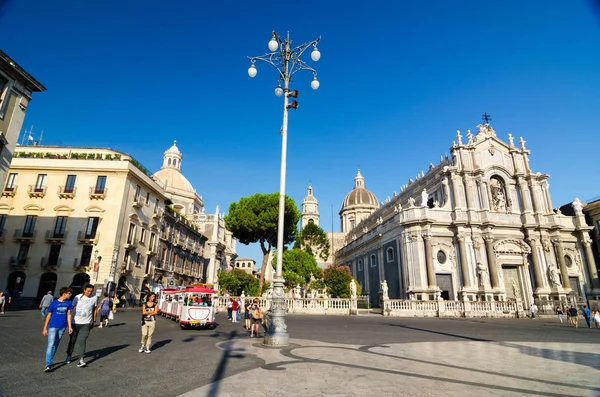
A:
(18, 262)
(66, 192)
(131, 244)
(98, 194)
(137, 203)
(51, 262)
(150, 253)
(53, 237)
(156, 215)
(9, 191)
(126, 267)
(36, 191)
(24, 235)
(88, 239)
(78, 263)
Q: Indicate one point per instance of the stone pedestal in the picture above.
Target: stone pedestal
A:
(353, 307)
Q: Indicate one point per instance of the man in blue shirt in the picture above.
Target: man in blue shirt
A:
(586, 314)
(58, 320)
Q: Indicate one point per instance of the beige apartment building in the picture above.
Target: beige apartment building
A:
(69, 216)
(16, 88)
(246, 264)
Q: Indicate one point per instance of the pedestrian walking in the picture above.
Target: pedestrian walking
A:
(2, 302)
(58, 320)
(596, 318)
(230, 309)
(559, 311)
(149, 310)
(573, 313)
(534, 310)
(86, 310)
(586, 315)
(45, 303)
(569, 320)
(105, 308)
(247, 315)
(235, 307)
(255, 317)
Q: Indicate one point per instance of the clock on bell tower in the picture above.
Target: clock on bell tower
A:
(310, 209)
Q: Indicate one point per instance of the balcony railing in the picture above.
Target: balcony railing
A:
(97, 193)
(127, 267)
(24, 235)
(137, 202)
(36, 191)
(9, 191)
(84, 238)
(157, 213)
(51, 262)
(66, 192)
(16, 261)
(130, 244)
(55, 237)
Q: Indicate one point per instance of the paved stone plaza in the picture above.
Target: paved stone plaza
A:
(330, 356)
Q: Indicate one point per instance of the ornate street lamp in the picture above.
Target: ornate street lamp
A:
(287, 61)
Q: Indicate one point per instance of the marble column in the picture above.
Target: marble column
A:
(483, 190)
(560, 256)
(535, 194)
(429, 262)
(525, 195)
(455, 192)
(491, 258)
(464, 265)
(468, 192)
(591, 264)
(537, 269)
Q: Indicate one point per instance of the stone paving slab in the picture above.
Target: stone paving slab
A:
(458, 368)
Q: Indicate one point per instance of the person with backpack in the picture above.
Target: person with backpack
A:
(105, 308)
(255, 317)
(573, 312)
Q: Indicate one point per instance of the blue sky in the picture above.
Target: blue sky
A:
(397, 80)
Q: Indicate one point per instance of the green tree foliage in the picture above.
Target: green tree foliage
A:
(237, 281)
(298, 267)
(337, 279)
(312, 238)
(254, 219)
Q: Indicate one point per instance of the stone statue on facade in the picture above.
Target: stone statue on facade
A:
(411, 202)
(482, 273)
(498, 197)
(384, 290)
(577, 206)
(424, 198)
(352, 289)
(516, 290)
(554, 276)
(297, 292)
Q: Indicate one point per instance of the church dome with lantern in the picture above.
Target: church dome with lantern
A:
(358, 204)
(176, 185)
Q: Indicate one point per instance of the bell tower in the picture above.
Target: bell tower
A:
(310, 209)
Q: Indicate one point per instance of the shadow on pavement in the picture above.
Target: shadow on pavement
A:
(101, 353)
(115, 325)
(161, 343)
(228, 352)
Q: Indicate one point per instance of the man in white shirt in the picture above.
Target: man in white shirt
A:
(86, 309)
(45, 303)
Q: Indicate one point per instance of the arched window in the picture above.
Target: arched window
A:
(499, 199)
(390, 254)
(352, 224)
(311, 221)
(360, 265)
(373, 262)
(175, 162)
(169, 163)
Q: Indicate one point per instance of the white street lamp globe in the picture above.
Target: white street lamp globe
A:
(315, 55)
(273, 45)
(279, 91)
(252, 71)
(315, 84)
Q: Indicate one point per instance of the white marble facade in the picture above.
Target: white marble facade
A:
(480, 225)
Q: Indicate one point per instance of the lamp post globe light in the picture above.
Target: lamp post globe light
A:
(287, 61)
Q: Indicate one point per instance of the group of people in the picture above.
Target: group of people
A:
(78, 316)
(590, 317)
(254, 315)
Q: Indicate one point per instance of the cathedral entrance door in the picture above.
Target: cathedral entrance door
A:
(444, 282)
(512, 282)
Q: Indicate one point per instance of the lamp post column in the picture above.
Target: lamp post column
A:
(277, 334)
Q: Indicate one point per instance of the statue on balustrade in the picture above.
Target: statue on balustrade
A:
(482, 273)
(384, 290)
(352, 289)
(498, 195)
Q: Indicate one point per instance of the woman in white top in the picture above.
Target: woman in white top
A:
(149, 310)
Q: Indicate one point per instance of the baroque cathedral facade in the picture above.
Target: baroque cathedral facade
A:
(478, 226)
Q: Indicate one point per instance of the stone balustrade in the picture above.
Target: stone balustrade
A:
(391, 307)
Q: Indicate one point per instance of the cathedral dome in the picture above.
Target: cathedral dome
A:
(360, 196)
(169, 175)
